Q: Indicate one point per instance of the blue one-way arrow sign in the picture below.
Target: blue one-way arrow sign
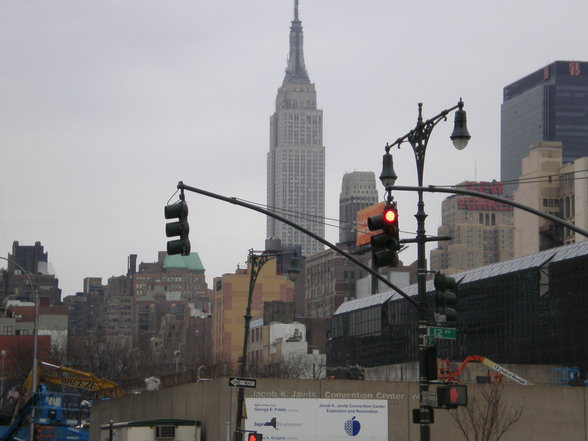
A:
(242, 382)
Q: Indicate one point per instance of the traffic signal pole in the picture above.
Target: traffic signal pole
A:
(452, 190)
(418, 138)
(335, 248)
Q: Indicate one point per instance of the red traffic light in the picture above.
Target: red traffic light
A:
(452, 395)
(253, 436)
(390, 216)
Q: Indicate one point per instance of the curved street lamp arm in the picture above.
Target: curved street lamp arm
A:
(431, 122)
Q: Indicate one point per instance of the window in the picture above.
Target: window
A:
(7, 330)
(165, 432)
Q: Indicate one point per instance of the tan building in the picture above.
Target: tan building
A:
(548, 185)
(229, 304)
(482, 231)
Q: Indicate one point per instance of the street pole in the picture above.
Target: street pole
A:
(418, 138)
(35, 373)
(255, 263)
(3, 355)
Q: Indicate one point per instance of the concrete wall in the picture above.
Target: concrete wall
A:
(549, 413)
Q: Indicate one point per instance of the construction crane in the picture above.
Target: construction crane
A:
(448, 376)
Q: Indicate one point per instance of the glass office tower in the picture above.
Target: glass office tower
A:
(550, 104)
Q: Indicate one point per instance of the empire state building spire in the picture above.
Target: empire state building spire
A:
(296, 159)
(296, 69)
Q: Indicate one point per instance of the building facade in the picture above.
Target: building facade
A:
(229, 303)
(559, 189)
(549, 104)
(358, 190)
(14, 283)
(282, 350)
(296, 160)
(331, 279)
(481, 231)
(528, 310)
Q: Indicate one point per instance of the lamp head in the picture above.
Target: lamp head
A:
(460, 135)
(294, 269)
(388, 176)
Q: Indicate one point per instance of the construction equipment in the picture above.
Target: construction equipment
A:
(68, 377)
(80, 380)
(55, 417)
(448, 376)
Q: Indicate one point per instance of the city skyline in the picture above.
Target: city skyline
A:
(105, 107)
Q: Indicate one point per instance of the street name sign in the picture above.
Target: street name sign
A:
(437, 332)
(242, 382)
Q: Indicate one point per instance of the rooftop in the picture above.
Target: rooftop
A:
(485, 272)
(191, 262)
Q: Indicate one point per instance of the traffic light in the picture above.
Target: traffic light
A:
(445, 298)
(254, 436)
(385, 246)
(451, 396)
(181, 228)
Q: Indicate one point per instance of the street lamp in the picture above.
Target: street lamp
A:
(35, 373)
(256, 263)
(418, 138)
(3, 355)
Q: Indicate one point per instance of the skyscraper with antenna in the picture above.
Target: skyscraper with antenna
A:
(296, 159)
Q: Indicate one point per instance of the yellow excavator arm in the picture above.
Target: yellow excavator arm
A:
(80, 380)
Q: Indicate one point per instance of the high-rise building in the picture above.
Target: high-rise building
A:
(550, 104)
(481, 230)
(296, 160)
(358, 190)
(32, 258)
(16, 283)
(555, 188)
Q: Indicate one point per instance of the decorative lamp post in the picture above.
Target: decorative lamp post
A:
(3, 355)
(35, 372)
(256, 261)
(418, 138)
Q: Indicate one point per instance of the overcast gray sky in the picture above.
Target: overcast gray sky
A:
(106, 105)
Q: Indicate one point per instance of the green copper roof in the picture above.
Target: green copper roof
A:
(191, 262)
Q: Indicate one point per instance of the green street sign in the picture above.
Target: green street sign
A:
(437, 332)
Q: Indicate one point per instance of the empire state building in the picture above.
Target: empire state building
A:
(296, 160)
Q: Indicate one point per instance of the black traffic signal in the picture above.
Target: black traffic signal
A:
(254, 436)
(453, 395)
(445, 298)
(180, 228)
(385, 246)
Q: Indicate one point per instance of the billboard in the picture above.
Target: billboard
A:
(317, 419)
(364, 235)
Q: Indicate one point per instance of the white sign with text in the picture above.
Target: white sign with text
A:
(317, 419)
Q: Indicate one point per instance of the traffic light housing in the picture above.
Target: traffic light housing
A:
(445, 298)
(254, 436)
(385, 246)
(451, 396)
(181, 228)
